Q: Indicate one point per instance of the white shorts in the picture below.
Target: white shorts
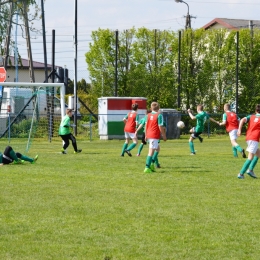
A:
(130, 135)
(153, 143)
(252, 146)
(233, 134)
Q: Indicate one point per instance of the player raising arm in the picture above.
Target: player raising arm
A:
(196, 131)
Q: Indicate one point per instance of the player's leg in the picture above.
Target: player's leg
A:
(25, 158)
(252, 165)
(192, 137)
(233, 138)
(155, 158)
(74, 143)
(127, 139)
(200, 138)
(140, 148)
(153, 145)
(252, 149)
(9, 155)
(66, 143)
(133, 145)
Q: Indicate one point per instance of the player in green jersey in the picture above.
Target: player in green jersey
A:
(65, 134)
(196, 131)
(11, 157)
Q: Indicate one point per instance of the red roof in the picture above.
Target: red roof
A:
(232, 24)
(24, 63)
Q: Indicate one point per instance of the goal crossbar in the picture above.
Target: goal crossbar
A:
(39, 85)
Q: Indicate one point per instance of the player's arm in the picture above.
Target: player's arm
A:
(242, 121)
(223, 123)
(125, 118)
(161, 127)
(191, 115)
(139, 127)
(163, 132)
(224, 120)
(213, 120)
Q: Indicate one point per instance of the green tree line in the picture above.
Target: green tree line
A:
(148, 61)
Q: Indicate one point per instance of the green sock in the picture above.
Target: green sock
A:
(155, 156)
(124, 147)
(26, 158)
(239, 148)
(234, 149)
(140, 148)
(131, 146)
(148, 161)
(13, 155)
(191, 147)
(245, 166)
(253, 163)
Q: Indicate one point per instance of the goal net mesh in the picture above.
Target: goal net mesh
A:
(28, 112)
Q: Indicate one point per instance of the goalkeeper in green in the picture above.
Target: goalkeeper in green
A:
(11, 157)
(65, 134)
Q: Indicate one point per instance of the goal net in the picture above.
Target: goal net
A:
(29, 111)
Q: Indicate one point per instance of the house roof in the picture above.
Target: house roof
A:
(231, 24)
(24, 63)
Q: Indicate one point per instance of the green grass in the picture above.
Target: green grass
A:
(98, 205)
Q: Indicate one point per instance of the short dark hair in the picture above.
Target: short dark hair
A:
(135, 106)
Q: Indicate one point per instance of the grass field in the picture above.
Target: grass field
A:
(98, 205)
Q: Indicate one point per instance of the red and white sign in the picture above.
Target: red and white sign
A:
(2, 74)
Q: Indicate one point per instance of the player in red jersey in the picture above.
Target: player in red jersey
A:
(252, 139)
(231, 121)
(131, 122)
(154, 128)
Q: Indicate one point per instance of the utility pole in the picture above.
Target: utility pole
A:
(8, 36)
(75, 67)
(116, 64)
(188, 16)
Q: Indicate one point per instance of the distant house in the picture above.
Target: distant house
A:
(231, 24)
(23, 71)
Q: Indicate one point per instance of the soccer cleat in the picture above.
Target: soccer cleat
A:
(251, 174)
(63, 151)
(19, 161)
(122, 155)
(128, 153)
(138, 154)
(192, 153)
(147, 170)
(240, 176)
(78, 151)
(201, 139)
(243, 153)
(158, 166)
(152, 167)
(35, 159)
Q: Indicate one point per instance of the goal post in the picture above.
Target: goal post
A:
(31, 110)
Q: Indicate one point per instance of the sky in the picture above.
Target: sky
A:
(120, 15)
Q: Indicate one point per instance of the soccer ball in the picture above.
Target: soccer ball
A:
(180, 124)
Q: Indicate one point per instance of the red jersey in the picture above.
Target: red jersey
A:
(152, 127)
(253, 130)
(130, 125)
(232, 121)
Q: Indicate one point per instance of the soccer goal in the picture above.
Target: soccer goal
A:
(30, 110)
